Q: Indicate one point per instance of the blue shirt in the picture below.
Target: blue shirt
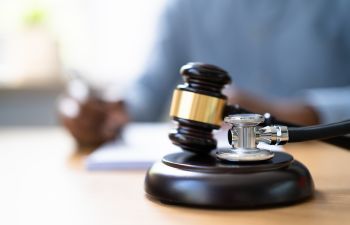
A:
(276, 49)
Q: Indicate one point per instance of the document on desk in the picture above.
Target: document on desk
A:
(139, 147)
(141, 144)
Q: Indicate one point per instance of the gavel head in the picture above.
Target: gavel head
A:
(197, 107)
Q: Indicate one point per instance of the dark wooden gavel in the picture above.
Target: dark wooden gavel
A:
(198, 106)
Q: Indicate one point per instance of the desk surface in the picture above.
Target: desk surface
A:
(44, 182)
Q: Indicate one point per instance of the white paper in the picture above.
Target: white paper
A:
(140, 145)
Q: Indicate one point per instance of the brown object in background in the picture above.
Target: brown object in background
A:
(91, 120)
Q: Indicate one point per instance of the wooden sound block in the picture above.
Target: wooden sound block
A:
(203, 181)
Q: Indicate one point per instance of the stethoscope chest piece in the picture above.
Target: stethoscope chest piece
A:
(243, 137)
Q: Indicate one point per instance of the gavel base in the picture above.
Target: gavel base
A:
(203, 181)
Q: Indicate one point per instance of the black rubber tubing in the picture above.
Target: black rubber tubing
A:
(316, 132)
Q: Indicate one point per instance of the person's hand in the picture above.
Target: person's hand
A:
(93, 121)
(284, 110)
(90, 119)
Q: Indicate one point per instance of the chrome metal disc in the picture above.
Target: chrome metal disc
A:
(244, 155)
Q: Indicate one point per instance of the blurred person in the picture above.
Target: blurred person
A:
(289, 58)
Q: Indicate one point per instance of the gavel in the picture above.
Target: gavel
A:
(198, 106)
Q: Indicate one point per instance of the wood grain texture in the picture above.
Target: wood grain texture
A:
(44, 182)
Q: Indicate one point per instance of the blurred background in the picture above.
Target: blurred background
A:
(43, 43)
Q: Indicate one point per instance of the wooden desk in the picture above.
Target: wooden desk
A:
(43, 182)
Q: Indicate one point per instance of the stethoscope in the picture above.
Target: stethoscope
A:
(245, 133)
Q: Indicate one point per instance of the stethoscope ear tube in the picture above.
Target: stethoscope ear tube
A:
(317, 132)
